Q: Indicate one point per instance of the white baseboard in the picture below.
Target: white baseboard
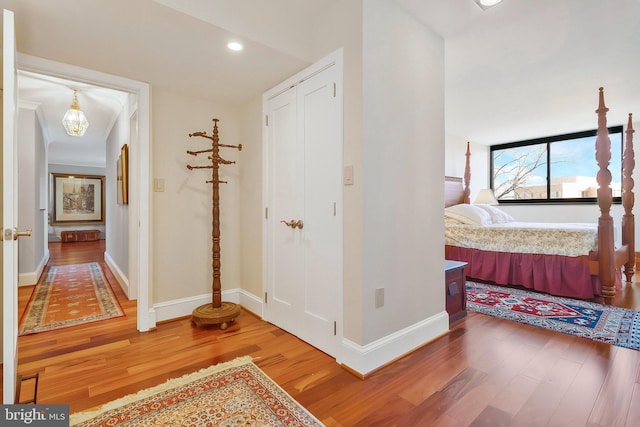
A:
(122, 279)
(361, 359)
(31, 278)
(184, 307)
(364, 359)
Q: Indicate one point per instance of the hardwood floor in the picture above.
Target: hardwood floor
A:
(485, 372)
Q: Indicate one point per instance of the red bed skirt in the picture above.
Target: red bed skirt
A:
(553, 274)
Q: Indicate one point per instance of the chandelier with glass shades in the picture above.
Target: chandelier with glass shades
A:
(74, 120)
(486, 4)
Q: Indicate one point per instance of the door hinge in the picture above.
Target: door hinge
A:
(335, 328)
(266, 213)
(334, 90)
(334, 208)
(265, 298)
(266, 120)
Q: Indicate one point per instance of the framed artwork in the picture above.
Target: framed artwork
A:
(122, 174)
(78, 199)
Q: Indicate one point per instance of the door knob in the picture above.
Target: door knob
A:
(13, 233)
(26, 233)
(294, 223)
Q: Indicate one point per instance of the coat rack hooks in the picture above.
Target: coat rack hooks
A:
(217, 312)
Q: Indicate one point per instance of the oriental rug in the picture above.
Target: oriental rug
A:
(611, 325)
(235, 393)
(69, 295)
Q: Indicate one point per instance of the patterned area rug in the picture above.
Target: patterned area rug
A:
(69, 295)
(611, 325)
(235, 393)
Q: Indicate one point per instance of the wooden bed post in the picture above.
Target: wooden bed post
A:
(628, 220)
(467, 176)
(606, 254)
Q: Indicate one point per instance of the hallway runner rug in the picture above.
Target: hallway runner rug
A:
(69, 295)
(611, 325)
(234, 393)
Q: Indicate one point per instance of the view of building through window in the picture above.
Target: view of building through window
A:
(557, 168)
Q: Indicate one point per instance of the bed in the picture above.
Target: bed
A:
(574, 260)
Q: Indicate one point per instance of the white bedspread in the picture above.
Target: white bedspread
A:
(569, 239)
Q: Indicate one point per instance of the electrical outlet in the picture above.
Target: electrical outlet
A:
(379, 297)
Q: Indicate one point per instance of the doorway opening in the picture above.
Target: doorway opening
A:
(138, 209)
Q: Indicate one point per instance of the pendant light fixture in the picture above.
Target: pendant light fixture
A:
(74, 120)
(486, 4)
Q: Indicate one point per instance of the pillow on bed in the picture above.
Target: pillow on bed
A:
(468, 214)
(498, 216)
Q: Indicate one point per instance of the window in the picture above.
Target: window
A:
(555, 169)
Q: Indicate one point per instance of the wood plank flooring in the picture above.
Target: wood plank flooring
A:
(486, 372)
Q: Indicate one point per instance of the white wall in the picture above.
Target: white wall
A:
(251, 216)
(33, 253)
(117, 224)
(403, 75)
(182, 213)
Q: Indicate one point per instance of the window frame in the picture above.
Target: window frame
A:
(548, 141)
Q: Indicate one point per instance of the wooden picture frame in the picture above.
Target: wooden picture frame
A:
(122, 174)
(78, 199)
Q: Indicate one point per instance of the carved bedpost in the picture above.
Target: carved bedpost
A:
(628, 220)
(467, 176)
(606, 254)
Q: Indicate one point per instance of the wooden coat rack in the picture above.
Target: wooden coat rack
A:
(217, 312)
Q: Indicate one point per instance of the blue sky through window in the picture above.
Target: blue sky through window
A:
(572, 157)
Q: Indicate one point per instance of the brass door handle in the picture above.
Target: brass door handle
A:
(26, 233)
(293, 223)
(13, 233)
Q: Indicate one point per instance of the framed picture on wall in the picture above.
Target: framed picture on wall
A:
(78, 199)
(122, 174)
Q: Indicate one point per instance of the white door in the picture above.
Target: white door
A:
(9, 210)
(304, 187)
(286, 161)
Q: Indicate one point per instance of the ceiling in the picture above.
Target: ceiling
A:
(51, 97)
(522, 67)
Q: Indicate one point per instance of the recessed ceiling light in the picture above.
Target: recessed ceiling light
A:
(234, 46)
(485, 4)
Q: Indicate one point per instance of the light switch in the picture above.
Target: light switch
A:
(379, 297)
(348, 175)
(158, 185)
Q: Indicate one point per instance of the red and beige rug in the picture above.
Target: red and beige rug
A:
(235, 393)
(604, 323)
(69, 295)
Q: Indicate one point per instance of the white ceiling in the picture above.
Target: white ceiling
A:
(51, 98)
(522, 69)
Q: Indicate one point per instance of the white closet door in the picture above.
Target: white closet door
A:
(304, 173)
(286, 195)
(317, 114)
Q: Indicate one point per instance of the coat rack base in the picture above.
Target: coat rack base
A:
(208, 315)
